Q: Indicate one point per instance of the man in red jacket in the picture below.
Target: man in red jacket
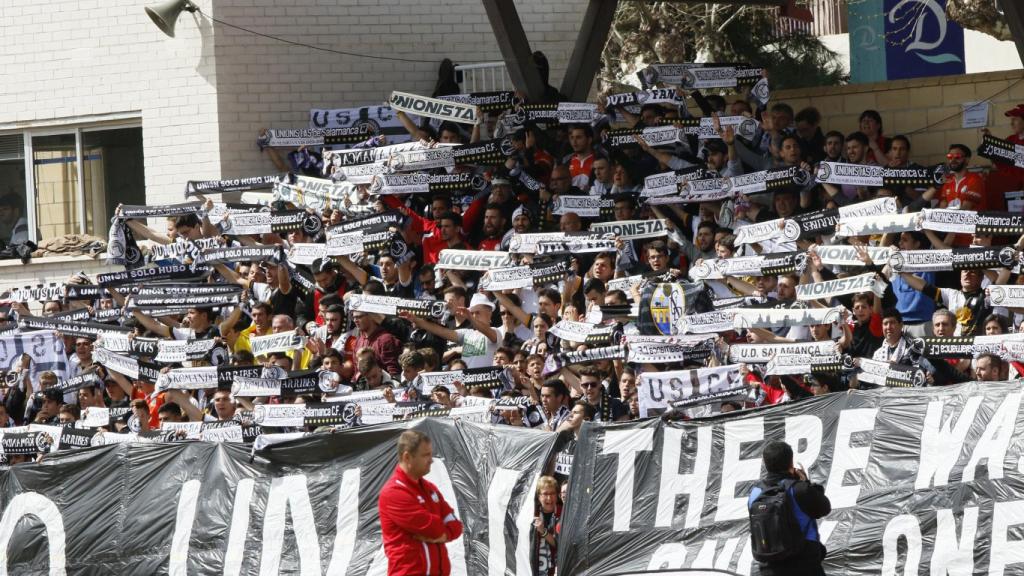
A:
(415, 520)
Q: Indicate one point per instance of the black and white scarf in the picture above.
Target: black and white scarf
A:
(250, 184)
(294, 138)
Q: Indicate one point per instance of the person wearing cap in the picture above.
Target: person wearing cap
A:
(479, 342)
(1007, 177)
(503, 196)
(522, 221)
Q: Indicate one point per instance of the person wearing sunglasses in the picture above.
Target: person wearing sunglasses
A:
(963, 190)
(606, 408)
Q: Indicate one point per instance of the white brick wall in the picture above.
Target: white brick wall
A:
(203, 96)
(414, 29)
(69, 61)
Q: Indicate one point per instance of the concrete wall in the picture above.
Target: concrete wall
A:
(265, 84)
(928, 110)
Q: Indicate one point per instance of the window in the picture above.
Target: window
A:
(57, 182)
(12, 184)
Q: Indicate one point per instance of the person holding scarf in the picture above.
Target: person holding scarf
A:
(545, 543)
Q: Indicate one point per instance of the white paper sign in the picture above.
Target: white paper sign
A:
(975, 114)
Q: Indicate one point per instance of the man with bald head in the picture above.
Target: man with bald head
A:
(560, 184)
(570, 222)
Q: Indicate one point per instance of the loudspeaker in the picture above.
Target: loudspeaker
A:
(166, 14)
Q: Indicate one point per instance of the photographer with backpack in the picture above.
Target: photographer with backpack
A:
(784, 507)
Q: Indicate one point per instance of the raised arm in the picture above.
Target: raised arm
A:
(146, 232)
(661, 156)
(913, 281)
(361, 276)
(480, 326)
(158, 328)
(435, 329)
(516, 311)
(184, 401)
(411, 127)
(208, 228)
(232, 276)
(228, 324)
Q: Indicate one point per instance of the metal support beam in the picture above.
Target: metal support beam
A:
(586, 55)
(1014, 12)
(515, 48)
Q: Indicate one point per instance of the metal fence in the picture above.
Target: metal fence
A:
(829, 17)
(483, 77)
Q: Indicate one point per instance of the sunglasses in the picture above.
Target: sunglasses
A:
(590, 384)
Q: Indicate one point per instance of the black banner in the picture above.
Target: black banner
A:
(999, 150)
(486, 101)
(168, 210)
(68, 327)
(380, 221)
(193, 187)
(169, 272)
(999, 223)
(304, 507)
(241, 254)
(928, 476)
(423, 183)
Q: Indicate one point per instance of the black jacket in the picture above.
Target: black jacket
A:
(812, 500)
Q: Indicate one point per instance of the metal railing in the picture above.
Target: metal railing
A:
(483, 77)
(829, 17)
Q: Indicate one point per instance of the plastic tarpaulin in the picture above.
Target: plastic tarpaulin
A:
(922, 480)
(303, 507)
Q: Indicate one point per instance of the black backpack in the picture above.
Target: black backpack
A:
(775, 532)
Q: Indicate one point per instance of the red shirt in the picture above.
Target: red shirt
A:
(408, 509)
(956, 191)
(427, 229)
(154, 401)
(385, 346)
(490, 243)
(1005, 178)
(1008, 169)
(581, 166)
(318, 294)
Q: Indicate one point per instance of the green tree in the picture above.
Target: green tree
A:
(981, 15)
(675, 32)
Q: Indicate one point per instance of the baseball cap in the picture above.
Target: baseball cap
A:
(480, 300)
(1018, 111)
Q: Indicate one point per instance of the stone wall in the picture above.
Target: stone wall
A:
(928, 110)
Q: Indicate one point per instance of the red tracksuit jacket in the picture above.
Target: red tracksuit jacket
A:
(409, 508)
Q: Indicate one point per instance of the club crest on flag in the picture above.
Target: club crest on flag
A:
(668, 306)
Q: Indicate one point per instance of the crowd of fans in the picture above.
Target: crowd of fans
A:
(513, 328)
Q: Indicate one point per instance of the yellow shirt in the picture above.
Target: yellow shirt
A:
(242, 343)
